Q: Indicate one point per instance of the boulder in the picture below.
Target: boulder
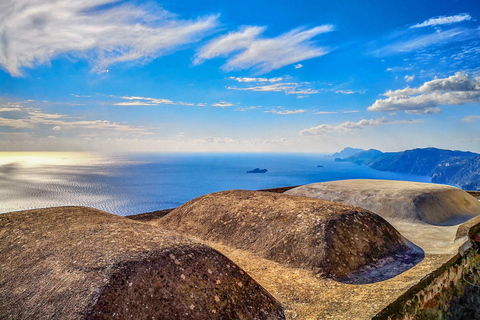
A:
(329, 238)
(81, 263)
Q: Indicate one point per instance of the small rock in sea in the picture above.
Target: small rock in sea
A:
(257, 170)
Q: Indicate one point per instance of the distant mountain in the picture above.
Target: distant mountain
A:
(347, 152)
(417, 161)
(458, 168)
(461, 172)
(363, 157)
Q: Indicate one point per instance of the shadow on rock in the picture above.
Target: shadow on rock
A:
(386, 268)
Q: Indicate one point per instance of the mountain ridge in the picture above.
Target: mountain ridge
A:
(454, 167)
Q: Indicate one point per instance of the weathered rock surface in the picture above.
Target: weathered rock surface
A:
(81, 263)
(409, 201)
(331, 238)
(426, 214)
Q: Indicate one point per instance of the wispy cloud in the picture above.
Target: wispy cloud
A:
(222, 104)
(283, 111)
(350, 91)
(409, 43)
(301, 88)
(38, 121)
(245, 79)
(471, 118)
(342, 127)
(34, 32)
(442, 20)
(243, 109)
(409, 78)
(324, 112)
(247, 49)
(426, 99)
(147, 101)
(298, 66)
(419, 38)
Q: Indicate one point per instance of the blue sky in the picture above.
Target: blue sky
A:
(254, 76)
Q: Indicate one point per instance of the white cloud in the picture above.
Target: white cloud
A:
(243, 109)
(222, 104)
(250, 50)
(36, 31)
(411, 40)
(471, 119)
(409, 78)
(37, 121)
(325, 112)
(224, 45)
(425, 99)
(282, 111)
(245, 79)
(345, 91)
(443, 20)
(10, 107)
(146, 101)
(286, 87)
(350, 91)
(298, 66)
(343, 127)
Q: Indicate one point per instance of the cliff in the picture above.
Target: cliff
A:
(460, 172)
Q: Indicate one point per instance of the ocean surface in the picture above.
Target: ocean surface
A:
(128, 184)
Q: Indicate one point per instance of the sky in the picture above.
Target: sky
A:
(239, 76)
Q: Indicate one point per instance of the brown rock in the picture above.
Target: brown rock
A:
(332, 238)
(81, 263)
(409, 201)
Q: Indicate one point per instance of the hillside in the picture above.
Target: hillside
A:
(462, 172)
(458, 168)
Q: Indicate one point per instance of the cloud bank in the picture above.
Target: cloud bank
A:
(247, 49)
(36, 31)
(426, 99)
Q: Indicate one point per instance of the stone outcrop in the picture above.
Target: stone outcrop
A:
(329, 238)
(81, 263)
(408, 201)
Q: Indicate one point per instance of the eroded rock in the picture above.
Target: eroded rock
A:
(330, 238)
(81, 263)
(408, 201)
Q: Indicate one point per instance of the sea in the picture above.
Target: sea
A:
(127, 184)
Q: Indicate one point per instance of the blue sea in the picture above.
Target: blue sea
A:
(128, 184)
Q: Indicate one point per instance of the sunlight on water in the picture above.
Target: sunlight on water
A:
(134, 183)
(31, 180)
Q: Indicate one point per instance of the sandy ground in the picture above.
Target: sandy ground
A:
(305, 296)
